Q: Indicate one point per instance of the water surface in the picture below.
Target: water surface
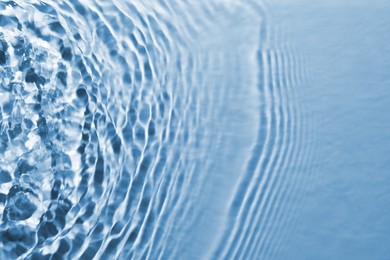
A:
(194, 130)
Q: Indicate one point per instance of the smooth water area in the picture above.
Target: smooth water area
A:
(194, 129)
(345, 213)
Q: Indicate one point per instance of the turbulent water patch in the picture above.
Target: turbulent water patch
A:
(82, 110)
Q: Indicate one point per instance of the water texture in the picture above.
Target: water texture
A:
(194, 130)
(103, 127)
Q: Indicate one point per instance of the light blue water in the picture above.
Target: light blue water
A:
(194, 129)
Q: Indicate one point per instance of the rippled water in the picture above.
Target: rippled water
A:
(194, 130)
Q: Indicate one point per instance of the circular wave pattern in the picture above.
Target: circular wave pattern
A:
(266, 198)
(87, 117)
(103, 108)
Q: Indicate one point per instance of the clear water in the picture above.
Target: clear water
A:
(194, 129)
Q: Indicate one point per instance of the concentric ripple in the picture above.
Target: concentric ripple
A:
(86, 117)
(116, 123)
